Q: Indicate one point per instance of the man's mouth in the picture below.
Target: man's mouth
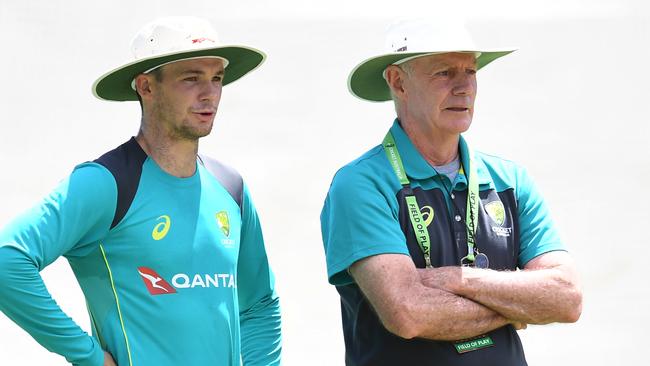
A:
(205, 112)
(205, 115)
(457, 109)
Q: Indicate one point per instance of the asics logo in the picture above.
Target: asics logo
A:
(161, 229)
(427, 215)
(154, 282)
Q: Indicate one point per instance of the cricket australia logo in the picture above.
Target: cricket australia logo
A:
(224, 224)
(497, 213)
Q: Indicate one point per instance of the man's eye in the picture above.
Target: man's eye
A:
(217, 78)
(191, 78)
(471, 71)
(442, 73)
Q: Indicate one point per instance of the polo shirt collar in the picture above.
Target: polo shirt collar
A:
(418, 168)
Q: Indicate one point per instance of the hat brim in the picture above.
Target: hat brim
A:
(366, 81)
(116, 84)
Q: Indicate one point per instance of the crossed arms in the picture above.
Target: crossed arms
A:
(450, 303)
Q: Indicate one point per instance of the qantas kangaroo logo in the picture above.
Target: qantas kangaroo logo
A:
(155, 284)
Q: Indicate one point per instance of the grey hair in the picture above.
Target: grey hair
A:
(408, 69)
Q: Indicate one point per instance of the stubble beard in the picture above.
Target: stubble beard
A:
(178, 127)
(188, 132)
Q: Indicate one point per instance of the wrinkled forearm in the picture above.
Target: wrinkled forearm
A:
(447, 316)
(531, 296)
(409, 309)
(538, 296)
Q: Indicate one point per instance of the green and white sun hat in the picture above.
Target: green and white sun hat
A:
(172, 39)
(409, 39)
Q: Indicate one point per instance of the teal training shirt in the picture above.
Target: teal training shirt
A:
(365, 214)
(182, 279)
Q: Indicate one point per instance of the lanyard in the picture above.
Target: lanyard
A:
(415, 215)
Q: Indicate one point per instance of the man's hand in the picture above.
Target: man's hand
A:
(519, 325)
(108, 359)
(443, 278)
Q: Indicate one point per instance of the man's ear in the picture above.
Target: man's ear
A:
(143, 85)
(395, 78)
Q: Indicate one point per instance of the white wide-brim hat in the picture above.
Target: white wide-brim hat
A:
(409, 39)
(172, 39)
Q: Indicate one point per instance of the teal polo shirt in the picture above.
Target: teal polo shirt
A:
(365, 214)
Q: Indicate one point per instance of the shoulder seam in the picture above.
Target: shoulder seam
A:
(125, 164)
(228, 177)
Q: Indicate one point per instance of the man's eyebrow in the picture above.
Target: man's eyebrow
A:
(447, 65)
(200, 72)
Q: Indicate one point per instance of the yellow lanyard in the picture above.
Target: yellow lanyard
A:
(415, 216)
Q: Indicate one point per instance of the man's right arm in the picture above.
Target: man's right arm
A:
(108, 360)
(73, 217)
(409, 309)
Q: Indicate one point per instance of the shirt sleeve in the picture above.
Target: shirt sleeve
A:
(360, 218)
(259, 305)
(538, 233)
(66, 222)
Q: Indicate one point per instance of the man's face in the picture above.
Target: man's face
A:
(186, 96)
(440, 92)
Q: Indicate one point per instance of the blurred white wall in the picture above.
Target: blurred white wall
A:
(570, 105)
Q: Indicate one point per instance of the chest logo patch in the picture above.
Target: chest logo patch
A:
(161, 229)
(427, 215)
(496, 211)
(223, 222)
(154, 282)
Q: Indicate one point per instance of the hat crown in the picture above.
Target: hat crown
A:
(427, 36)
(173, 34)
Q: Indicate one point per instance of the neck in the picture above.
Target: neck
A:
(436, 148)
(174, 155)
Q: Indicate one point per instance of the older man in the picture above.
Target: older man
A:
(424, 237)
(166, 244)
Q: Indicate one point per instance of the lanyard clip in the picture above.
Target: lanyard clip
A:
(467, 261)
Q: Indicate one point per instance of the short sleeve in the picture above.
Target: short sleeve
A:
(360, 218)
(538, 233)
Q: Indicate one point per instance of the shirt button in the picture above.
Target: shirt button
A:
(453, 196)
(457, 218)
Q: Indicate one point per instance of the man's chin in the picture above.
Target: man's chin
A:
(461, 126)
(194, 134)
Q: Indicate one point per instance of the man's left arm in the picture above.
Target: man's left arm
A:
(259, 305)
(546, 291)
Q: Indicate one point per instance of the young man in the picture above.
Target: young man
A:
(166, 244)
(423, 237)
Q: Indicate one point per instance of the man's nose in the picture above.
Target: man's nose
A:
(211, 91)
(464, 84)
